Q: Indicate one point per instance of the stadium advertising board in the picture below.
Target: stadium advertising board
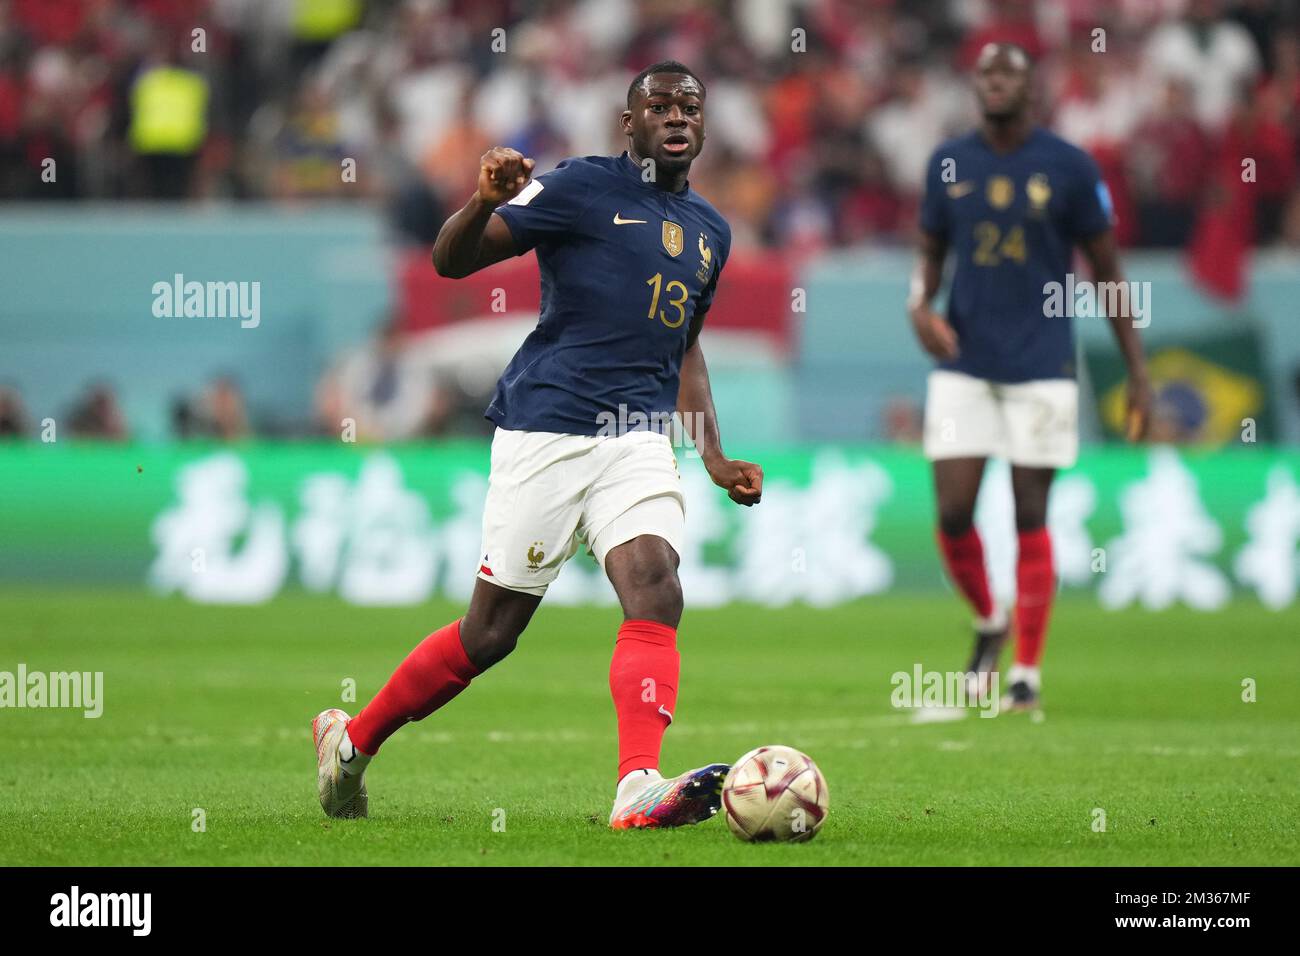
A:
(1149, 528)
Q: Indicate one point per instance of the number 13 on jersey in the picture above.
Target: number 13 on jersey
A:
(679, 304)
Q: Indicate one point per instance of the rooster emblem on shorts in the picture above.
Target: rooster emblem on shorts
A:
(535, 556)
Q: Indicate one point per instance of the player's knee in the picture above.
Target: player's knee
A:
(1030, 517)
(670, 595)
(486, 644)
(657, 595)
(955, 522)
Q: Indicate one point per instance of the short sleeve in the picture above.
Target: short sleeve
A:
(546, 208)
(705, 301)
(934, 208)
(1090, 211)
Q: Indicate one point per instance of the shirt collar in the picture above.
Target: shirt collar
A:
(630, 167)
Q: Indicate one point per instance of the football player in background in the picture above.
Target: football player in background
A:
(630, 257)
(1012, 201)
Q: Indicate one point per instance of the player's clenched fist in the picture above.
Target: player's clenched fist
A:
(934, 333)
(742, 479)
(1140, 399)
(502, 173)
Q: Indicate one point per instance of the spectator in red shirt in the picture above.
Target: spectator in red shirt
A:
(1167, 166)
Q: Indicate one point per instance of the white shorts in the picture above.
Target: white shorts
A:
(549, 492)
(1034, 424)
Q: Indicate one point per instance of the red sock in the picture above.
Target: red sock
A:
(643, 680)
(432, 674)
(964, 556)
(1035, 588)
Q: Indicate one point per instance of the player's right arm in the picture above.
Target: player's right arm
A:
(474, 238)
(933, 332)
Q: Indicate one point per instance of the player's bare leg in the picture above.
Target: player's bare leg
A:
(495, 618)
(437, 670)
(1035, 583)
(643, 681)
(957, 485)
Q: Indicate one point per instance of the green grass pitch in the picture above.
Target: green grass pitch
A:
(210, 708)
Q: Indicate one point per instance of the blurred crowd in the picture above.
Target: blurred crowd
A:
(821, 113)
(216, 413)
(377, 394)
(384, 390)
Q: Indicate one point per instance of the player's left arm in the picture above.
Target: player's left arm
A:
(742, 479)
(1102, 253)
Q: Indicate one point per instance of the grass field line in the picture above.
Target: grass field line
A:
(753, 729)
(800, 731)
(805, 732)
(153, 733)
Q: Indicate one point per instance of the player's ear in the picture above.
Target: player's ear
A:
(626, 122)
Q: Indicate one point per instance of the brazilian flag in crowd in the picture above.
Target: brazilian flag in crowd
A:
(1208, 390)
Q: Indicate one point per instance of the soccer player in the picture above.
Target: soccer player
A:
(630, 257)
(1012, 201)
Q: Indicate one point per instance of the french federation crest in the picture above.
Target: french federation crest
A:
(673, 241)
(706, 260)
(535, 556)
(1000, 191)
(1038, 191)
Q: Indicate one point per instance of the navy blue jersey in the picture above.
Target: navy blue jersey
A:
(625, 267)
(1012, 222)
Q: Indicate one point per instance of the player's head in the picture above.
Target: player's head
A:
(664, 118)
(1002, 81)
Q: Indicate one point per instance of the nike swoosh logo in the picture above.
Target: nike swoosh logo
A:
(666, 713)
(957, 190)
(620, 221)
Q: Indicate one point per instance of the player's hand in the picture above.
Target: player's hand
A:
(1138, 419)
(502, 173)
(742, 479)
(935, 334)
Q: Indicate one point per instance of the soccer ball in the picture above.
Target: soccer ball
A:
(775, 793)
